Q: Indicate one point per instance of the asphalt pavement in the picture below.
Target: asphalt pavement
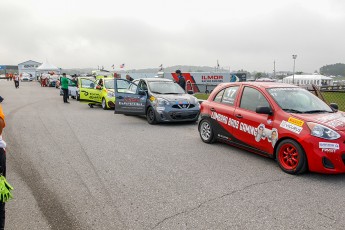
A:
(75, 167)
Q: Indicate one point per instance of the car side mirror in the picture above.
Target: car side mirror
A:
(141, 92)
(190, 92)
(264, 110)
(334, 107)
(92, 85)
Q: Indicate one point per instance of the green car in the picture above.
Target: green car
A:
(97, 92)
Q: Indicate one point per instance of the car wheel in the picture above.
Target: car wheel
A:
(104, 104)
(91, 105)
(206, 132)
(150, 116)
(291, 157)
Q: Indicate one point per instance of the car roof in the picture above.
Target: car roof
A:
(261, 84)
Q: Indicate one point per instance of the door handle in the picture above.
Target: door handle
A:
(212, 109)
(119, 97)
(238, 116)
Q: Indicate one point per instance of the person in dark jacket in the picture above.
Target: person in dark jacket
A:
(181, 79)
(129, 78)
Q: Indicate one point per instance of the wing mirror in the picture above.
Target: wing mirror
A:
(92, 85)
(264, 110)
(334, 107)
(190, 92)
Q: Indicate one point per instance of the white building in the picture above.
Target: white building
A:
(309, 79)
(28, 67)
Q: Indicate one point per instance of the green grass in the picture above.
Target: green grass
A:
(201, 96)
(335, 97)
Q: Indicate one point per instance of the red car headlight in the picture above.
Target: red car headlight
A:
(322, 131)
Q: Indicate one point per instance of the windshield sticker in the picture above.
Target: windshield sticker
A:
(296, 121)
(291, 127)
(328, 145)
(260, 132)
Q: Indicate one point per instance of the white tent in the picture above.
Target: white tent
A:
(46, 66)
(309, 79)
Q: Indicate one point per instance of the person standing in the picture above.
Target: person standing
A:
(129, 78)
(16, 81)
(64, 87)
(2, 165)
(181, 79)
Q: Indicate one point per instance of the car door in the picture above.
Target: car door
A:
(222, 113)
(255, 131)
(87, 90)
(129, 98)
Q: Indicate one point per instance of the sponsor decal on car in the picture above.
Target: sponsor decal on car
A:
(260, 132)
(295, 121)
(291, 127)
(328, 145)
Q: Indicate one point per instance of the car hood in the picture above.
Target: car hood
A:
(335, 121)
(177, 98)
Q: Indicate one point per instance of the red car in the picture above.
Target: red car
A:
(277, 120)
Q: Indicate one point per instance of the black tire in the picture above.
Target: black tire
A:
(291, 157)
(151, 116)
(104, 104)
(206, 132)
(91, 105)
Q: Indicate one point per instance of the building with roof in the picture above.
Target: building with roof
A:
(308, 79)
(28, 67)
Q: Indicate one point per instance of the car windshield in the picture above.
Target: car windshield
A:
(109, 84)
(298, 100)
(165, 87)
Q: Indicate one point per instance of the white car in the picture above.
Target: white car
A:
(72, 89)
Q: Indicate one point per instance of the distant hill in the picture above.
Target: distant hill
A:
(333, 70)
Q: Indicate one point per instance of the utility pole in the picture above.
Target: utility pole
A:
(274, 69)
(294, 56)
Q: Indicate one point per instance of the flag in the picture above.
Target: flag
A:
(112, 66)
(122, 66)
(161, 67)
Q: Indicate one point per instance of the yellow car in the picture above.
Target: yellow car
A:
(97, 92)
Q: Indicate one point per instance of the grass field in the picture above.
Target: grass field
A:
(202, 96)
(330, 97)
(335, 97)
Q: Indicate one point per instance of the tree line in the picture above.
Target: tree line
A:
(334, 70)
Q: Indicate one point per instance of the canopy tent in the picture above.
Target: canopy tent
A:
(315, 79)
(46, 66)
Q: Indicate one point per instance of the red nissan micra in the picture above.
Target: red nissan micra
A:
(277, 120)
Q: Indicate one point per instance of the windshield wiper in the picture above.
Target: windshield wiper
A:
(156, 92)
(171, 93)
(292, 110)
(318, 111)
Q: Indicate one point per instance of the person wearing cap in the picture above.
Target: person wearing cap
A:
(181, 79)
(64, 87)
(2, 165)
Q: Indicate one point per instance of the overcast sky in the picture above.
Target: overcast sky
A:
(246, 34)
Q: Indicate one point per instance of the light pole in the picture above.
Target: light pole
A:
(294, 56)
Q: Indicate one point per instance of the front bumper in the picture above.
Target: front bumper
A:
(325, 160)
(177, 115)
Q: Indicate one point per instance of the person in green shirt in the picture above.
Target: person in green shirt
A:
(64, 87)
